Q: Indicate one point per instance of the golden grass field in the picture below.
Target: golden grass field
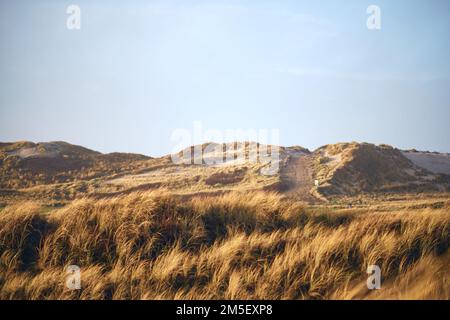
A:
(253, 245)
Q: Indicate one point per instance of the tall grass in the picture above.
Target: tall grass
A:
(236, 246)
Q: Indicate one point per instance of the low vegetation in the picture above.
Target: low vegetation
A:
(154, 245)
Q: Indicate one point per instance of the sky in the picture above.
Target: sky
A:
(138, 71)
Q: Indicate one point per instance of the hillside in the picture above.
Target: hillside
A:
(58, 170)
(352, 168)
(26, 164)
(438, 163)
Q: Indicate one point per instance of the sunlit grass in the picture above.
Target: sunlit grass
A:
(235, 246)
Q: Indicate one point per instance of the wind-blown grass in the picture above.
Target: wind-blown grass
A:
(236, 246)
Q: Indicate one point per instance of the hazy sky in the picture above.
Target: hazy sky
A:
(138, 70)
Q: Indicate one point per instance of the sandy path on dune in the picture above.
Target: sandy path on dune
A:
(297, 177)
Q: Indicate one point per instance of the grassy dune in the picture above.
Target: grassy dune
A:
(236, 246)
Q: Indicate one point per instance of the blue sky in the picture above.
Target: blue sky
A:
(138, 70)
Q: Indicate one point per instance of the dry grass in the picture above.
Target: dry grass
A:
(236, 246)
